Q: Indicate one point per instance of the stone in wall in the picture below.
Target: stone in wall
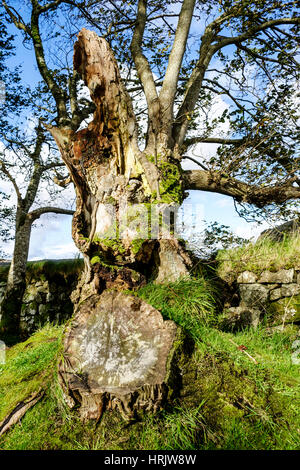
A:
(46, 300)
(254, 295)
(284, 276)
(237, 318)
(285, 310)
(47, 295)
(286, 290)
(247, 277)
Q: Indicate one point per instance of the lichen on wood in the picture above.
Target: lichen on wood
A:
(120, 353)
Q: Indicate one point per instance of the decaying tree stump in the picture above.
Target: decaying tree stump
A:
(112, 176)
(120, 353)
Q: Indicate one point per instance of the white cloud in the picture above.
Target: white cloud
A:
(250, 231)
(224, 202)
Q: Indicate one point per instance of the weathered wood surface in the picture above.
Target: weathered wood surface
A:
(118, 352)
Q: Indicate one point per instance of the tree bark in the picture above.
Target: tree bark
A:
(16, 283)
(111, 175)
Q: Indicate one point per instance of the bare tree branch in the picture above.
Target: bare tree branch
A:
(16, 18)
(240, 191)
(211, 43)
(35, 214)
(51, 5)
(223, 41)
(185, 157)
(4, 169)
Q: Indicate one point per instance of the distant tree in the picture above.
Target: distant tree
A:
(206, 243)
(27, 160)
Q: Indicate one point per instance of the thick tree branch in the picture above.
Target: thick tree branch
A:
(34, 32)
(259, 196)
(211, 140)
(193, 86)
(57, 93)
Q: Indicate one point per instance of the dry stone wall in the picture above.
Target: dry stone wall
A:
(46, 298)
(271, 297)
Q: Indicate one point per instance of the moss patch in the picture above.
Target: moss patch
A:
(170, 186)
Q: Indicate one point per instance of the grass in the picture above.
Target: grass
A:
(227, 401)
(188, 302)
(29, 367)
(265, 254)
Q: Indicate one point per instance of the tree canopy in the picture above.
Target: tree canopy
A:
(177, 60)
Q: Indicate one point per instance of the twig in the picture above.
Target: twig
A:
(243, 350)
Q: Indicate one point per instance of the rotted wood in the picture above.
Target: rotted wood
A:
(119, 353)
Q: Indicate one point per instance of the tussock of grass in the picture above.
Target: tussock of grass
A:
(257, 257)
(29, 367)
(188, 302)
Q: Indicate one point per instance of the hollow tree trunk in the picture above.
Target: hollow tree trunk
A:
(115, 182)
(16, 283)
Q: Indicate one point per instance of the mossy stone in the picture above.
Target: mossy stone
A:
(286, 310)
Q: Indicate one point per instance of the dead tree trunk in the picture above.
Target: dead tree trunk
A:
(116, 183)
